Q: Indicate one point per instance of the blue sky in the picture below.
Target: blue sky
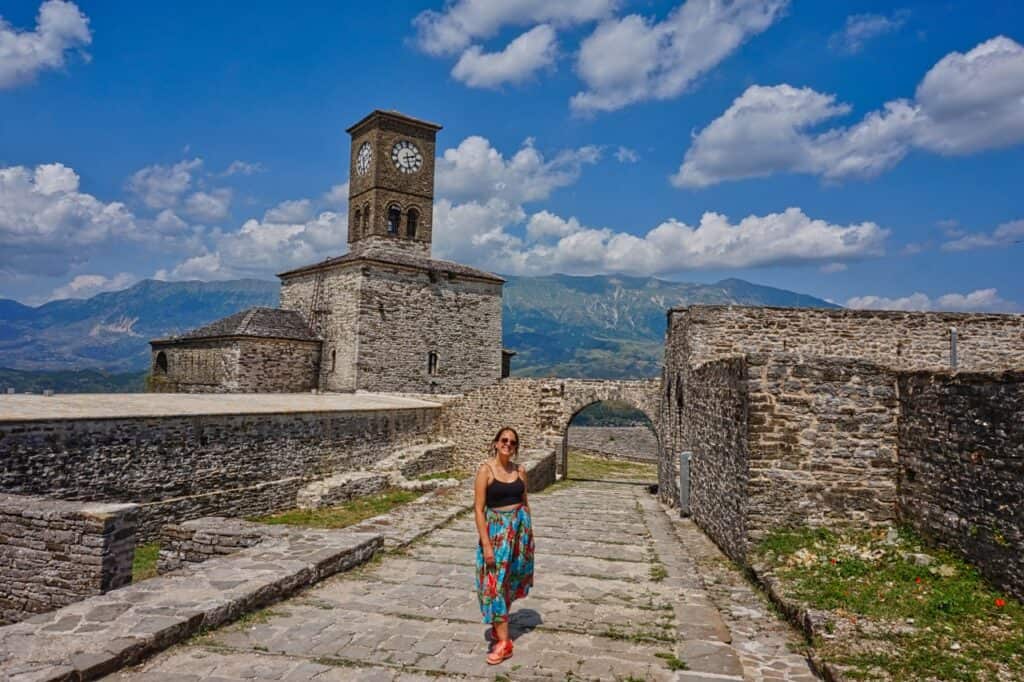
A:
(865, 152)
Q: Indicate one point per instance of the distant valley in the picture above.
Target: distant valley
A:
(559, 325)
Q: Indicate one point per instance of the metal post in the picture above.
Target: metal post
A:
(952, 348)
(684, 482)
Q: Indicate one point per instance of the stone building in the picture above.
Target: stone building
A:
(385, 316)
(260, 350)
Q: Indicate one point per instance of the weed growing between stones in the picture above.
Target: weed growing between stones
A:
(895, 608)
(672, 661)
(145, 560)
(347, 514)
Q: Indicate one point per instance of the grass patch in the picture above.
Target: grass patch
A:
(585, 466)
(672, 661)
(347, 514)
(895, 617)
(145, 560)
(658, 572)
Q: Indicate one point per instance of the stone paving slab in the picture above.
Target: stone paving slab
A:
(413, 614)
(128, 405)
(103, 633)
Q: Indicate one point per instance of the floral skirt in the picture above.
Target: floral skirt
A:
(512, 576)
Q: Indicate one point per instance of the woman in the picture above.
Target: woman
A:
(504, 557)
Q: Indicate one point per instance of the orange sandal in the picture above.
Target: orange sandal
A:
(501, 651)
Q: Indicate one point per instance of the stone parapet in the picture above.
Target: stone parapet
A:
(54, 553)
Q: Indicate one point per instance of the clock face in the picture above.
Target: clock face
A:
(363, 158)
(406, 156)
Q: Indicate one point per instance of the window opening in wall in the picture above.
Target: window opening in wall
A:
(411, 220)
(432, 363)
(334, 360)
(366, 218)
(358, 222)
(394, 216)
(161, 362)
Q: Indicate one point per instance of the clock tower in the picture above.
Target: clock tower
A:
(391, 183)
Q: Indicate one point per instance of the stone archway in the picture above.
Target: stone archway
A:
(577, 394)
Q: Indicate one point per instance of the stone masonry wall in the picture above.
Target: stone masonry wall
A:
(196, 367)
(900, 340)
(339, 294)
(822, 443)
(178, 468)
(716, 423)
(404, 314)
(277, 365)
(638, 443)
(54, 553)
(962, 467)
(471, 421)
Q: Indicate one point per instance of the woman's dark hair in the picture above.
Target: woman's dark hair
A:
(497, 437)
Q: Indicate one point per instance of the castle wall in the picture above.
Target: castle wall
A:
(900, 340)
(716, 418)
(54, 553)
(404, 314)
(822, 442)
(962, 467)
(339, 294)
(183, 467)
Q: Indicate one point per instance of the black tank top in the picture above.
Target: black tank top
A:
(501, 494)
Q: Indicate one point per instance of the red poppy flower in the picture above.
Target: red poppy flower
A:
(917, 580)
(1000, 603)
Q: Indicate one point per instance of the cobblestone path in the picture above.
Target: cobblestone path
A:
(618, 596)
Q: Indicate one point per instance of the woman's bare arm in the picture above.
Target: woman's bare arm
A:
(526, 486)
(479, 502)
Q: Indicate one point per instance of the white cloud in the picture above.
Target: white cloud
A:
(973, 101)
(632, 58)
(337, 195)
(860, 28)
(1004, 235)
(295, 211)
(477, 171)
(168, 222)
(205, 267)
(626, 155)
(478, 234)
(60, 26)
(87, 286)
(521, 58)
(980, 300)
(462, 22)
(47, 224)
(545, 224)
(209, 206)
(243, 168)
(162, 186)
(965, 103)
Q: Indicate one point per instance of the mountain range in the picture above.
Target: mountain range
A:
(592, 327)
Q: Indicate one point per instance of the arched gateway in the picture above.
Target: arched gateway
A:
(578, 394)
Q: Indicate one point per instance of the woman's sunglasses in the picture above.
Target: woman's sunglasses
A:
(509, 441)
